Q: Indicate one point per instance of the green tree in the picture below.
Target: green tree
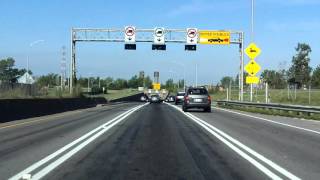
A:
(134, 82)
(275, 79)
(169, 85)
(7, 71)
(83, 82)
(49, 80)
(315, 81)
(181, 84)
(299, 72)
(148, 82)
(226, 81)
(120, 84)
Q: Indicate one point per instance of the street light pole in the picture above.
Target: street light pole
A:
(184, 73)
(28, 59)
(196, 74)
(174, 72)
(252, 39)
(88, 84)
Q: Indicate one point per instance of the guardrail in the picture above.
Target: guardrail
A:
(309, 110)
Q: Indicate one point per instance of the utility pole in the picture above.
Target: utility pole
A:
(196, 74)
(88, 84)
(63, 68)
(252, 40)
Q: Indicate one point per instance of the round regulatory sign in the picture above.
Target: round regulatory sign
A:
(192, 33)
(129, 31)
(159, 32)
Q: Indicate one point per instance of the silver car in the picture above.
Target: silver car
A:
(197, 97)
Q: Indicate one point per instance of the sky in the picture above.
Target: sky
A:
(278, 27)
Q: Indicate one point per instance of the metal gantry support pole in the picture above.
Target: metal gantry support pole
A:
(113, 35)
(241, 64)
(72, 61)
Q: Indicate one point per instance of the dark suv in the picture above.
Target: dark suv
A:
(197, 97)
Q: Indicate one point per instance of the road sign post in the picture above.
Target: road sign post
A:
(252, 51)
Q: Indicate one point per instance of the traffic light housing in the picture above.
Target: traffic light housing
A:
(159, 47)
(130, 46)
(190, 47)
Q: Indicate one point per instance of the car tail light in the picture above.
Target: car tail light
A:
(186, 98)
(209, 98)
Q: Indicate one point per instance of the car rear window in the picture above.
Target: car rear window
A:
(180, 94)
(198, 91)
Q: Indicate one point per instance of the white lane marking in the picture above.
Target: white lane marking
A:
(68, 146)
(66, 156)
(268, 120)
(223, 137)
(249, 150)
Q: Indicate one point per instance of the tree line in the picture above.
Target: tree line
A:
(8, 72)
(300, 74)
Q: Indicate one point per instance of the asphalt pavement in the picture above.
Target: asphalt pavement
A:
(157, 141)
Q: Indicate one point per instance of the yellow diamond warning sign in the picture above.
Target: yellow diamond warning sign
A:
(252, 67)
(214, 37)
(252, 51)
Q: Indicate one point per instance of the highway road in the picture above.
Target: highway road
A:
(159, 141)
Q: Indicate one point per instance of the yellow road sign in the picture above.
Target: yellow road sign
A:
(214, 37)
(156, 86)
(252, 80)
(252, 67)
(252, 51)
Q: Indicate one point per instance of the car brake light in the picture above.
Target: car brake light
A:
(209, 98)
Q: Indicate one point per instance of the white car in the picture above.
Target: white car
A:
(143, 98)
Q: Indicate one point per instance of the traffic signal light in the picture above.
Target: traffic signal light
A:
(190, 47)
(130, 46)
(159, 47)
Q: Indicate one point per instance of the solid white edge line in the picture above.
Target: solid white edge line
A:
(249, 150)
(79, 147)
(66, 147)
(268, 120)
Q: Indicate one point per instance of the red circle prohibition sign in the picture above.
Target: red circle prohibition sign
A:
(129, 31)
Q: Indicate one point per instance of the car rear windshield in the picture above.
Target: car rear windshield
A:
(198, 91)
(180, 94)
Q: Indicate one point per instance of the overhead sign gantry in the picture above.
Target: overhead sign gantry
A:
(159, 37)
